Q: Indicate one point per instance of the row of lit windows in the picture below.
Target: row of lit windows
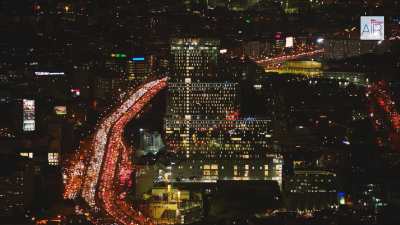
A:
(52, 157)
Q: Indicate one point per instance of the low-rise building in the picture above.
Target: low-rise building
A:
(168, 205)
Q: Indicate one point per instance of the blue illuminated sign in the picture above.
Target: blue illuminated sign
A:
(138, 59)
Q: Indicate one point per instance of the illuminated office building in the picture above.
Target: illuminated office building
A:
(223, 149)
(194, 59)
(231, 139)
(269, 167)
(16, 187)
(116, 63)
(312, 189)
(202, 100)
(139, 68)
(109, 87)
(345, 48)
(202, 125)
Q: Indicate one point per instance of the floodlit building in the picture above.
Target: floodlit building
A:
(150, 142)
(265, 167)
(167, 205)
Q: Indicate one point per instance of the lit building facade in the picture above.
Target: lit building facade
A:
(167, 205)
(12, 194)
(202, 125)
(345, 48)
(202, 100)
(28, 123)
(139, 68)
(266, 167)
(231, 139)
(194, 59)
(107, 87)
(212, 150)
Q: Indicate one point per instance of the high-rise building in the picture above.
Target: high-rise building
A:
(223, 149)
(107, 87)
(139, 68)
(202, 100)
(213, 139)
(202, 125)
(344, 48)
(116, 63)
(194, 59)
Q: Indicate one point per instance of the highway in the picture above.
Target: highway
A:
(384, 115)
(279, 59)
(96, 170)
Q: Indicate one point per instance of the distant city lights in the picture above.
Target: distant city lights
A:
(75, 92)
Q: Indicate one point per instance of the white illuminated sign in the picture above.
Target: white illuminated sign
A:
(28, 123)
(49, 73)
(289, 42)
(372, 28)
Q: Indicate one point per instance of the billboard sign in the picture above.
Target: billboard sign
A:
(372, 28)
(60, 110)
(28, 122)
(289, 42)
(138, 58)
(49, 73)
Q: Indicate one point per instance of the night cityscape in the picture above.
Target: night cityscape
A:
(202, 112)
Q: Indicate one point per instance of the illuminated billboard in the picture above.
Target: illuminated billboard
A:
(138, 58)
(60, 110)
(118, 55)
(289, 42)
(49, 73)
(28, 122)
(372, 28)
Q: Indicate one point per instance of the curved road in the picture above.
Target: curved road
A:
(283, 58)
(94, 172)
